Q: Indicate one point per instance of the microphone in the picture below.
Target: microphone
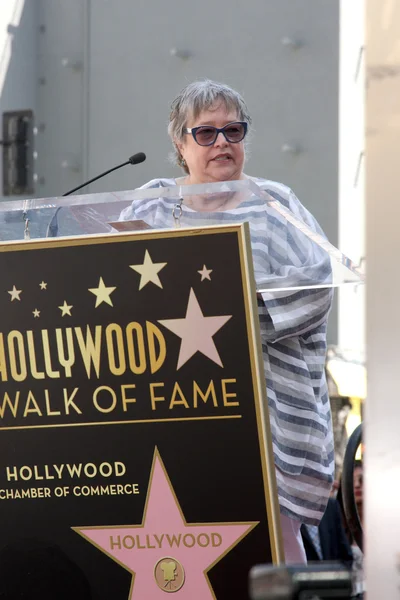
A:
(135, 159)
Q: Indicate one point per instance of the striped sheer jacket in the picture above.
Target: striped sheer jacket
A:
(293, 331)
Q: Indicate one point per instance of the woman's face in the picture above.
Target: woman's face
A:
(223, 161)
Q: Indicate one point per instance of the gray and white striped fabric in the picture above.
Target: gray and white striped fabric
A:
(293, 331)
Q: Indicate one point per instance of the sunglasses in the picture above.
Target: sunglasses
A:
(206, 135)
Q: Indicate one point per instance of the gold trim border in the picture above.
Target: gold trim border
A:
(130, 422)
(261, 400)
(109, 238)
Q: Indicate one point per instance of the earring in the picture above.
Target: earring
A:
(183, 162)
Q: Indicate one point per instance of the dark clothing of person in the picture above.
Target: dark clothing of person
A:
(334, 543)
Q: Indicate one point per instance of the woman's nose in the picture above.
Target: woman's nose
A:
(221, 140)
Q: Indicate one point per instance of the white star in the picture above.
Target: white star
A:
(36, 313)
(102, 293)
(15, 294)
(65, 309)
(205, 273)
(43, 285)
(148, 271)
(196, 332)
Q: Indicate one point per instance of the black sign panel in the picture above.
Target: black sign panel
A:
(134, 452)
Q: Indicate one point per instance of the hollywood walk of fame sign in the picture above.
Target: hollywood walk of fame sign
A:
(132, 412)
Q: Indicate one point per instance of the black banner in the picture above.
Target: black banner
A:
(133, 459)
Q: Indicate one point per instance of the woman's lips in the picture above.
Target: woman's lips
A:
(222, 157)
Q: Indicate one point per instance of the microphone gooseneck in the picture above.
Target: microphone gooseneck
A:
(135, 159)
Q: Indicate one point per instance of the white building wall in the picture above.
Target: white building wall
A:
(119, 103)
(351, 324)
(382, 439)
(61, 91)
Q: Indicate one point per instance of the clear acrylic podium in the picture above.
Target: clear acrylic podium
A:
(303, 260)
(127, 365)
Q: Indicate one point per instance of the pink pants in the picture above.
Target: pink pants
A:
(293, 546)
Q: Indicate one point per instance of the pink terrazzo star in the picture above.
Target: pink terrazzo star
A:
(150, 551)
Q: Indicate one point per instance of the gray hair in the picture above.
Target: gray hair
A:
(192, 100)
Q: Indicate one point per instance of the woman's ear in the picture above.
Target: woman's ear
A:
(179, 147)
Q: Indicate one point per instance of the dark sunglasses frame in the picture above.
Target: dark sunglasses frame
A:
(217, 130)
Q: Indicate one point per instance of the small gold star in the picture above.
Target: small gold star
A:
(65, 309)
(43, 285)
(15, 294)
(205, 273)
(148, 271)
(102, 293)
(36, 313)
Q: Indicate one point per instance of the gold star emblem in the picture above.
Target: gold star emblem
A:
(102, 293)
(36, 313)
(205, 273)
(14, 293)
(65, 309)
(148, 271)
(43, 285)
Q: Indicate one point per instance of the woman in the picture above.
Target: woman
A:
(208, 125)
